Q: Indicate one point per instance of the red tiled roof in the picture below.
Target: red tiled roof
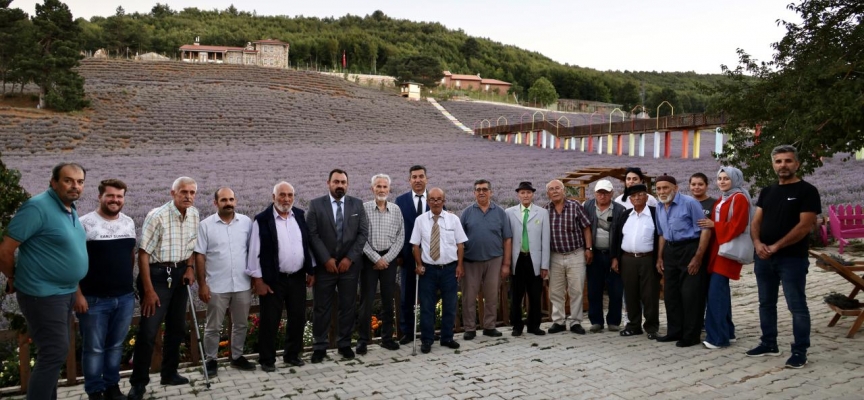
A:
(465, 77)
(494, 82)
(447, 73)
(193, 47)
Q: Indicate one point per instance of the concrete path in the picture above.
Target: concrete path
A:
(569, 366)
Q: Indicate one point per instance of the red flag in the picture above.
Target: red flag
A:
(344, 62)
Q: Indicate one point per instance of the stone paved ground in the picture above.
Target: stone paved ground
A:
(566, 365)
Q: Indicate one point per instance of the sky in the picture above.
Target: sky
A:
(659, 35)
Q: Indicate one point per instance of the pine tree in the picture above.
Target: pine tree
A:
(61, 87)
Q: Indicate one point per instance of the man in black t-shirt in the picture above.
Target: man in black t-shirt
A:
(785, 213)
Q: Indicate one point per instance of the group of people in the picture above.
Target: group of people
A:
(341, 245)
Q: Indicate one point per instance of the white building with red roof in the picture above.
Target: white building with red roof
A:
(263, 53)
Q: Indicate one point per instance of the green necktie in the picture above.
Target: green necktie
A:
(525, 232)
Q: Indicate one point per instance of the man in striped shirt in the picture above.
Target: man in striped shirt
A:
(164, 260)
(386, 230)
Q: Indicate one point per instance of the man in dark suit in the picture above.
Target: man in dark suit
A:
(412, 204)
(280, 264)
(338, 229)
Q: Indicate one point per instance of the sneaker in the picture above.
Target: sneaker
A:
(212, 368)
(762, 351)
(798, 360)
(733, 340)
(242, 364)
(597, 328)
(708, 345)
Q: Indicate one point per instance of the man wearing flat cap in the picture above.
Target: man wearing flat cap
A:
(634, 256)
(529, 224)
(682, 246)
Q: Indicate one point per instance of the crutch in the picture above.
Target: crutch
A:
(416, 309)
(198, 334)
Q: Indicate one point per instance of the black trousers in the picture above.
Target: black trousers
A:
(327, 286)
(172, 310)
(369, 279)
(641, 292)
(684, 294)
(289, 294)
(525, 282)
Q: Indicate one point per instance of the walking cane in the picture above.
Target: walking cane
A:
(416, 310)
(198, 334)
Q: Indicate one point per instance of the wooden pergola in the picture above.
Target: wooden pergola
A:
(582, 178)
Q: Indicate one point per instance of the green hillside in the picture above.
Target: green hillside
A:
(372, 41)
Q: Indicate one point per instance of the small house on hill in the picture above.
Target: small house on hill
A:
(263, 53)
(474, 82)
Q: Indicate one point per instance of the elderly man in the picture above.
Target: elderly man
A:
(682, 247)
(106, 299)
(164, 264)
(487, 257)
(338, 230)
(530, 259)
(52, 258)
(785, 213)
(384, 244)
(572, 248)
(438, 247)
(412, 204)
(220, 261)
(280, 264)
(604, 214)
(634, 256)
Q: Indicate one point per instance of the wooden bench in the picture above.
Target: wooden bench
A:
(828, 263)
(846, 222)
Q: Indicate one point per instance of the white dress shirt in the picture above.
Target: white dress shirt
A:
(422, 200)
(225, 248)
(450, 234)
(290, 246)
(638, 232)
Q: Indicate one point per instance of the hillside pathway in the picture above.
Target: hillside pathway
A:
(566, 365)
(450, 117)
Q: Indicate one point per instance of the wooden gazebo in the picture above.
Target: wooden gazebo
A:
(580, 179)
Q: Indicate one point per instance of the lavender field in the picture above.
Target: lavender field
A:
(249, 128)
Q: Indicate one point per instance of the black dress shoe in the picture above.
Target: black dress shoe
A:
(318, 356)
(361, 349)
(687, 343)
(174, 380)
(667, 338)
(242, 364)
(390, 345)
(137, 392)
(517, 331)
(96, 396)
(492, 332)
(405, 339)
(346, 352)
(577, 329)
(268, 367)
(295, 361)
(469, 335)
(555, 328)
(425, 348)
(451, 344)
(212, 368)
(537, 331)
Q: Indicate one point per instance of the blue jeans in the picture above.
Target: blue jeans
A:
(600, 275)
(718, 319)
(433, 280)
(791, 272)
(48, 324)
(103, 329)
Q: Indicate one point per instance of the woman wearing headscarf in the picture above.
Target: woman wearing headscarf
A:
(718, 320)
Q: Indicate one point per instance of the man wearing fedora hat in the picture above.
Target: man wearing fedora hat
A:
(529, 224)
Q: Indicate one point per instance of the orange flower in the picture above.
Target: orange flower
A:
(223, 343)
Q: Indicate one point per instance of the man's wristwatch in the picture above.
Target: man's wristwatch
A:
(589, 249)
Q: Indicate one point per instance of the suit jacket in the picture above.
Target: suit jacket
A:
(322, 230)
(539, 236)
(268, 256)
(408, 206)
(619, 229)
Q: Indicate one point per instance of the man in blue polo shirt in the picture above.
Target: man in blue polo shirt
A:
(682, 245)
(52, 258)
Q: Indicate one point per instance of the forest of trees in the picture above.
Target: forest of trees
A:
(377, 43)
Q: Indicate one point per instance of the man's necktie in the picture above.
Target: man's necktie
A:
(419, 204)
(340, 219)
(435, 241)
(525, 247)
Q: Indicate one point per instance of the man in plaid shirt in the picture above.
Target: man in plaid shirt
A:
(571, 247)
(386, 230)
